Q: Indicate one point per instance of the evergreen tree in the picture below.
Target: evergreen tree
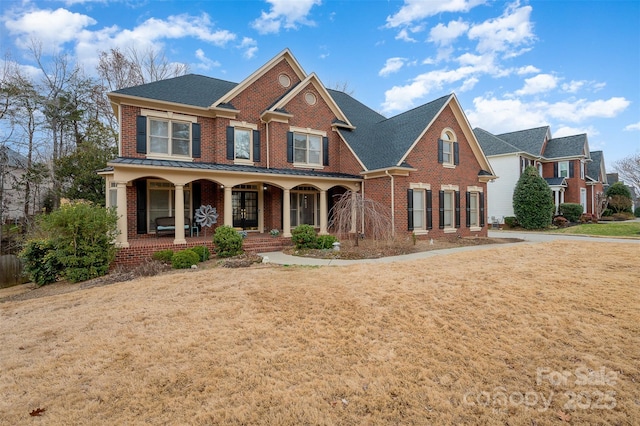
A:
(532, 200)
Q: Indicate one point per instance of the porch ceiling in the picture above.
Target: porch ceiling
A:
(182, 172)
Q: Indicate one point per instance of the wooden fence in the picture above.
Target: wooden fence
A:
(10, 270)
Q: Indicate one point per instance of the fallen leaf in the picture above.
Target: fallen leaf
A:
(563, 416)
(37, 412)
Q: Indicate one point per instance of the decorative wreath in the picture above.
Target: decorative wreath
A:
(206, 216)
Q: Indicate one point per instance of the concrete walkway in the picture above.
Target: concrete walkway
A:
(531, 237)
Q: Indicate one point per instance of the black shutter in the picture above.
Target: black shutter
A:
(481, 209)
(441, 209)
(141, 206)
(456, 153)
(555, 170)
(230, 143)
(440, 160)
(325, 151)
(410, 209)
(256, 145)
(289, 147)
(468, 209)
(141, 134)
(571, 169)
(429, 210)
(195, 140)
(457, 209)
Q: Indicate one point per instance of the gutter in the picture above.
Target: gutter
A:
(393, 203)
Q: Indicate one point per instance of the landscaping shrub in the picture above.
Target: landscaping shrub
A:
(510, 221)
(560, 221)
(588, 218)
(80, 236)
(304, 236)
(622, 216)
(163, 256)
(571, 211)
(607, 212)
(202, 251)
(619, 197)
(636, 212)
(228, 241)
(40, 261)
(532, 200)
(184, 259)
(325, 241)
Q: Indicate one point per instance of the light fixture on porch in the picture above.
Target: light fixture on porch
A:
(264, 187)
(221, 186)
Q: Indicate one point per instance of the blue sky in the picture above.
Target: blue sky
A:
(573, 65)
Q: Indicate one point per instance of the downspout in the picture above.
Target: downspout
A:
(266, 124)
(362, 221)
(393, 204)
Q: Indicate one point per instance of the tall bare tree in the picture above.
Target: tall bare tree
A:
(629, 170)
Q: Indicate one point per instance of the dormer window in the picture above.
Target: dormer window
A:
(448, 154)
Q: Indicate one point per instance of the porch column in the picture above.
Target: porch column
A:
(228, 206)
(286, 214)
(562, 196)
(179, 214)
(556, 199)
(121, 211)
(324, 213)
(354, 213)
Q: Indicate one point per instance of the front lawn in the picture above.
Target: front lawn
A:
(606, 229)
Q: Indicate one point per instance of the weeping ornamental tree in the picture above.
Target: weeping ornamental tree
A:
(532, 200)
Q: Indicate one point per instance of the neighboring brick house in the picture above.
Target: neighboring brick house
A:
(596, 183)
(275, 150)
(562, 162)
(13, 166)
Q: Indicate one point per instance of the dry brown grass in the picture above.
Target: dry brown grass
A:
(403, 343)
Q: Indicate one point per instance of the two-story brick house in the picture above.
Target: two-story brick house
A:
(561, 161)
(276, 149)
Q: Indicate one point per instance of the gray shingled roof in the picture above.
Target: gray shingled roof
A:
(594, 167)
(190, 89)
(226, 168)
(12, 158)
(530, 140)
(556, 181)
(568, 146)
(383, 143)
(492, 145)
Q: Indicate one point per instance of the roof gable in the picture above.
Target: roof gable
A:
(596, 168)
(493, 145)
(568, 146)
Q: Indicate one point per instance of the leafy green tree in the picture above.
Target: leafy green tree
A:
(619, 197)
(77, 171)
(532, 200)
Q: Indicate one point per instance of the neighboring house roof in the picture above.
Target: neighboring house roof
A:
(556, 181)
(190, 89)
(568, 146)
(596, 168)
(13, 158)
(492, 145)
(530, 140)
(224, 167)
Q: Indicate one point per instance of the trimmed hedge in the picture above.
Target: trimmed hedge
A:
(184, 259)
(228, 241)
(571, 211)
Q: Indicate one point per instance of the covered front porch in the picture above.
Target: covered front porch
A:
(253, 199)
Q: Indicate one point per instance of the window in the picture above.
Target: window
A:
(307, 148)
(113, 195)
(473, 209)
(242, 144)
(563, 169)
(169, 137)
(448, 154)
(418, 209)
(161, 199)
(449, 221)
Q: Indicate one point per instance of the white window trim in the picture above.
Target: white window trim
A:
(243, 125)
(308, 131)
(451, 189)
(423, 187)
(169, 116)
(448, 164)
(560, 170)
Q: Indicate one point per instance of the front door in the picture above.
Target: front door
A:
(245, 209)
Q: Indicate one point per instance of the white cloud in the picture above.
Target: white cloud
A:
(570, 131)
(504, 33)
(632, 127)
(404, 36)
(250, 47)
(54, 27)
(415, 10)
(504, 115)
(446, 34)
(391, 66)
(573, 86)
(284, 13)
(468, 84)
(538, 84)
(529, 69)
(205, 63)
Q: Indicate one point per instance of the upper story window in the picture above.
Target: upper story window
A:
(582, 166)
(243, 142)
(448, 154)
(169, 137)
(563, 169)
(307, 148)
(167, 134)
